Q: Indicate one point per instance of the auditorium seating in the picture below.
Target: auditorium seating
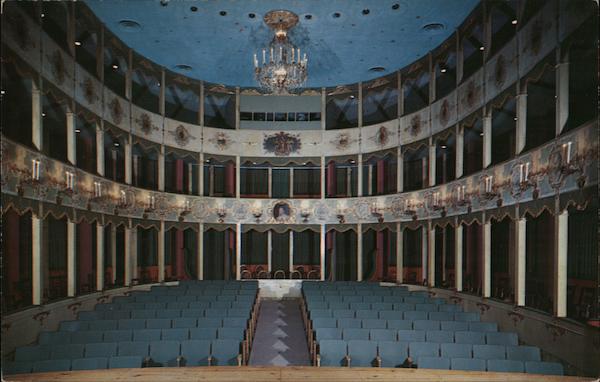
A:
(364, 324)
(194, 323)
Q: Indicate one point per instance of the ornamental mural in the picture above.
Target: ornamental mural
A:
(282, 143)
(89, 90)
(181, 135)
(57, 65)
(342, 141)
(382, 136)
(20, 31)
(145, 124)
(116, 111)
(221, 140)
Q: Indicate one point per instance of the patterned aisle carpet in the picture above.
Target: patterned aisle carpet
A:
(280, 339)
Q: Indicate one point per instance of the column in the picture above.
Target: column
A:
(323, 108)
(291, 182)
(487, 140)
(431, 253)
(291, 253)
(561, 237)
(113, 253)
(360, 175)
(459, 60)
(36, 260)
(128, 161)
(128, 250)
(424, 250)
(359, 253)
(238, 249)
(400, 96)
(270, 182)
(370, 180)
(487, 259)
(99, 149)
(161, 168)
(161, 95)
(520, 263)
(269, 250)
(36, 116)
(322, 250)
(134, 253)
(458, 257)
(201, 108)
(237, 108)
(99, 257)
(562, 95)
(322, 177)
(460, 150)
(161, 253)
(71, 142)
(521, 132)
(432, 152)
(237, 176)
(399, 254)
(444, 255)
(360, 107)
(200, 260)
(201, 174)
(71, 253)
(400, 171)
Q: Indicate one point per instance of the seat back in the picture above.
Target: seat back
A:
(164, 352)
(392, 353)
(224, 352)
(195, 352)
(428, 362)
(362, 352)
(332, 352)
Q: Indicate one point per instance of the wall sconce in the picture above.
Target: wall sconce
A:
(185, 210)
(305, 213)
(377, 212)
(409, 208)
(257, 211)
(35, 169)
(221, 213)
(69, 180)
(122, 200)
(151, 205)
(341, 211)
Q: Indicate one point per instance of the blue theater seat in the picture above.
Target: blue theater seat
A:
(419, 349)
(87, 337)
(439, 336)
(231, 333)
(451, 350)
(89, 363)
(502, 338)
(118, 335)
(355, 334)
(54, 338)
(139, 348)
(203, 333)
(328, 334)
(362, 353)
(427, 362)
(382, 335)
(165, 352)
(368, 314)
(505, 365)
(347, 323)
(125, 362)
(392, 353)
(175, 334)
(473, 338)
(523, 353)
(411, 335)
(146, 335)
(483, 326)
(550, 368)
(225, 352)
(332, 353)
(325, 322)
(195, 352)
(32, 353)
(489, 351)
(105, 349)
(468, 364)
(426, 325)
(454, 326)
(52, 365)
(374, 323)
(400, 324)
(69, 351)
(184, 322)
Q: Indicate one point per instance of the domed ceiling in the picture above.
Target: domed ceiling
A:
(346, 40)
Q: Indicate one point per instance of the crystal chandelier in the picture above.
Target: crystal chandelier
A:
(283, 69)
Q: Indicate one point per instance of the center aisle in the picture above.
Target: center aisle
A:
(279, 339)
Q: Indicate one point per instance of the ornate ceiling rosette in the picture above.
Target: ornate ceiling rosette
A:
(145, 124)
(282, 143)
(181, 135)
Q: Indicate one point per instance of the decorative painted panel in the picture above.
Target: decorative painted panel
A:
(443, 113)
(183, 135)
(22, 35)
(88, 91)
(58, 67)
(470, 95)
(146, 124)
(501, 70)
(379, 136)
(415, 127)
(116, 110)
(341, 142)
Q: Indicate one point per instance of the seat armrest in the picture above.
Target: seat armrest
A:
(378, 361)
(348, 359)
(318, 360)
(239, 360)
(210, 360)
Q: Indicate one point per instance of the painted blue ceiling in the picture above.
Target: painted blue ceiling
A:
(341, 50)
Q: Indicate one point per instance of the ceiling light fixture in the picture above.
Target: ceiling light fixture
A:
(482, 48)
(77, 43)
(514, 22)
(77, 131)
(115, 66)
(283, 69)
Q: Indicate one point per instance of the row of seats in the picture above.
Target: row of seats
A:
(141, 314)
(180, 301)
(153, 323)
(395, 315)
(158, 296)
(337, 305)
(163, 353)
(454, 326)
(391, 354)
(374, 298)
(346, 285)
(435, 336)
(94, 336)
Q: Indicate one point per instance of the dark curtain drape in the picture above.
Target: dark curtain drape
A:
(345, 256)
(539, 293)
(412, 261)
(215, 253)
(254, 248)
(307, 248)
(280, 255)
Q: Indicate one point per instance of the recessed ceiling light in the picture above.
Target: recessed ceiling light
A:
(482, 48)
(366, 11)
(130, 25)
(377, 69)
(42, 15)
(251, 15)
(514, 22)
(115, 66)
(2, 92)
(223, 13)
(336, 15)
(443, 70)
(43, 114)
(443, 146)
(194, 9)
(351, 97)
(481, 134)
(396, 6)
(77, 131)
(308, 17)
(515, 118)
(183, 67)
(77, 43)
(116, 144)
(164, 3)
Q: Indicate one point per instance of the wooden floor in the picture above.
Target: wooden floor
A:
(283, 374)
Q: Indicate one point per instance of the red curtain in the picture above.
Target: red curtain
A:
(331, 181)
(380, 176)
(179, 186)
(230, 179)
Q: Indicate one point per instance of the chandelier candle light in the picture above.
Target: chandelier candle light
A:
(284, 67)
